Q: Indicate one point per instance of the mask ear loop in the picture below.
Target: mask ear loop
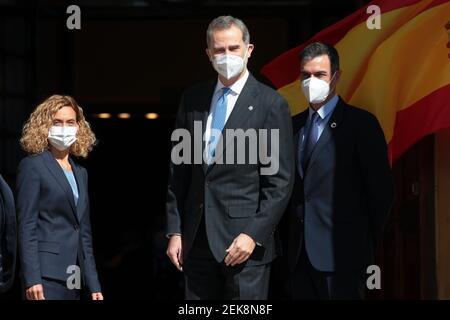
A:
(245, 54)
(245, 59)
(331, 80)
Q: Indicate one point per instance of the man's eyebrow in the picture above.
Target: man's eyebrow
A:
(317, 72)
(235, 46)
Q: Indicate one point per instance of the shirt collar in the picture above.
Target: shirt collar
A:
(327, 108)
(236, 87)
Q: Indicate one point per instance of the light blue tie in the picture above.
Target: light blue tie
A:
(218, 122)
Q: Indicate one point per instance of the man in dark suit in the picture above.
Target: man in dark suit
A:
(343, 188)
(8, 236)
(222, 212)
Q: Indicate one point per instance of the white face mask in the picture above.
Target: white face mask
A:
(62, 137)
(316, 90)
(229, 65)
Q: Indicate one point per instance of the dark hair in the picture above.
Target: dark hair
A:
(318, 49)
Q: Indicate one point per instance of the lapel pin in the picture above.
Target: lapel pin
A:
(250, 108)
(333, 125)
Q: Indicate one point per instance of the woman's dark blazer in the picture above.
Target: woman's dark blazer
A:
(54, 233)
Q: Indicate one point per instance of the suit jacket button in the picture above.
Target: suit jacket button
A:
(200, 206)
(301, 220)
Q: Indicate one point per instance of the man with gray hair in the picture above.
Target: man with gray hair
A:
(222, 216)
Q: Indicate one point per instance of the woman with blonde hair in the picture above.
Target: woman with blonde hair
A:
(55, 240)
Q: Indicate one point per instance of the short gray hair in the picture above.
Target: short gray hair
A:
(223, 23)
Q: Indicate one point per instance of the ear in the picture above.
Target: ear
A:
(250, 49)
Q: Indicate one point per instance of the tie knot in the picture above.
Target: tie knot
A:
(314, 117)
(226, 91)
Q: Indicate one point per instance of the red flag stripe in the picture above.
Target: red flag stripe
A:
(426, 116)
(284, 69)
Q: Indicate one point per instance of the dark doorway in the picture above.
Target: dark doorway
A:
(406, 255)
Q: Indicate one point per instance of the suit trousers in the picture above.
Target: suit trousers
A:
(207, 279)
(308, 283)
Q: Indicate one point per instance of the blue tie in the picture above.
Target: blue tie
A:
(218, 122)
(311, 137)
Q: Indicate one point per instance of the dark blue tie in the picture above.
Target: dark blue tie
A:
(311, 137)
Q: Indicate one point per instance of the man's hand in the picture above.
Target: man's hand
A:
(175, 251)
(240, 250)
(97, 296)
(35, 292)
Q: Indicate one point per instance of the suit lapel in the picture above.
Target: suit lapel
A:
(57, 172)
(298, 124)
(81, 190)
(327, 133)
(202, 115)
(299, 148)
(240, 113)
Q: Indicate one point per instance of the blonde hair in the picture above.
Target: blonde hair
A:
(35, 131)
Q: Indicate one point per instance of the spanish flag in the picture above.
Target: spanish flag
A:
(399, 72)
